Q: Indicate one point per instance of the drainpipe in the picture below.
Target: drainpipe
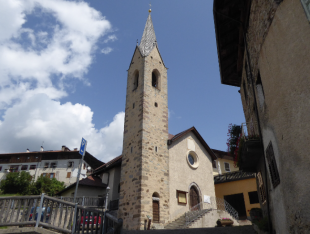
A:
(256, 110)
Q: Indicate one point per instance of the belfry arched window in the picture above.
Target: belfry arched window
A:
(136, 80)
(156, 79)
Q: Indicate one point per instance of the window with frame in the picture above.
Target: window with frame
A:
(46, 165)
(53, 164)
(261, 186)
(52, 175)
(33, 167)
(70, 164)
(14, 168)
(24, 167)
(253, 196)
(0, 168)
(43, 174)
(136, 80)
(214, 164)
(272, 165)
(182, 199)
(227, 166)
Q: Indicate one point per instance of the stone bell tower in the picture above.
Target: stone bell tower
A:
(144, 186)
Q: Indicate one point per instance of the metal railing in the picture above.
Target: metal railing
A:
(57, 214)
(216, 203)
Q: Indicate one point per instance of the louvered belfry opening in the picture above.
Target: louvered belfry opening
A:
(194, 198)
(155, 198)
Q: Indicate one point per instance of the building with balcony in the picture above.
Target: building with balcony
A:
(60, 164)
(263, 48)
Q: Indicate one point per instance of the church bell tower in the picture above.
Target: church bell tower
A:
(144, 186)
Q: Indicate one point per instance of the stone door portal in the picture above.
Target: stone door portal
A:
(194, 198)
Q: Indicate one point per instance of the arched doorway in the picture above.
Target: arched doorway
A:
(194, 198)
(155, 198)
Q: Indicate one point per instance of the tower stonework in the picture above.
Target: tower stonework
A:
(145, 164)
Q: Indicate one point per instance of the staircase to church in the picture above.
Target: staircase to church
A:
(181, 222)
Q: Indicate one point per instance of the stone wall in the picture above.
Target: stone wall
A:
(145, 170)
(279, 50)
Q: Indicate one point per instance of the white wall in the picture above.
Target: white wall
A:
(60, 171)
(181, 175)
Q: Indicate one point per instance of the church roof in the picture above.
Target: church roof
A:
(148, 41)
(173, 138)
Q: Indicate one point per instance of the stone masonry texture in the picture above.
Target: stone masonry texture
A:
(278, 42)
(145, 171)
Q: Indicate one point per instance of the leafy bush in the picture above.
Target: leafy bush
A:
(47, 185)
(16, 182)
(20, 183)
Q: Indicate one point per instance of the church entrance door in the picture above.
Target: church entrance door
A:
(155, 211)
(194, 199)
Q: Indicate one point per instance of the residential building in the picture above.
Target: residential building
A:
(60, 164)
(239, 189)
(263, 48)
(224, 163)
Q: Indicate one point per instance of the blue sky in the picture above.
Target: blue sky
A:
(63, 71)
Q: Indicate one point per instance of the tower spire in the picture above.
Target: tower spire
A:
(148, 41)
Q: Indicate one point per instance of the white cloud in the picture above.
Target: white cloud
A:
(58, 124)
(37, 63)
(110, 38)
(106, 50)
(66, 51)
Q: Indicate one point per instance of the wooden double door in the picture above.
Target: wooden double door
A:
(194, 199)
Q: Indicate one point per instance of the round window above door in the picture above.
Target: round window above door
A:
(192, 159)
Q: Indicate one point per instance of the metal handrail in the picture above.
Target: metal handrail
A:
(58, 214)
(216, 203)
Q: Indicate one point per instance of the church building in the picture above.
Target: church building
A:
(162, 175)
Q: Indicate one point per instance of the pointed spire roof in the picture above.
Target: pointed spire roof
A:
(148, 41)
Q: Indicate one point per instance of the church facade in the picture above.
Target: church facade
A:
(162, 176)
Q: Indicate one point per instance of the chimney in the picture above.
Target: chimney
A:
(42, 149)
(64, 148)
(27, 150)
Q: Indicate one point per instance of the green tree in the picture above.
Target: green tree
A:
(16, 182)
(47, 185)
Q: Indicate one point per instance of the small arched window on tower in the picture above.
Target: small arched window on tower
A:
(155, 79)
(136, 80)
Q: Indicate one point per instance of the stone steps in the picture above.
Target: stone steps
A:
(180, 223)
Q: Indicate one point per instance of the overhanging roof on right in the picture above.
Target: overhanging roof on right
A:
(230, 19)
